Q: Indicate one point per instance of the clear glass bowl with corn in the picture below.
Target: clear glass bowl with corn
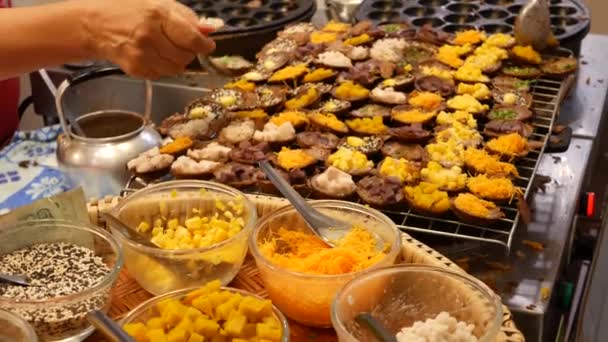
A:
(200, 229)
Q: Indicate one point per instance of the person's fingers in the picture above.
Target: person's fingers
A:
(167, 50)
(160, 65)
(186, 12)
(195, 20)
(148, 63)
(205, 29)
(181, 31)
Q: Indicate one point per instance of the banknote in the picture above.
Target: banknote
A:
(69, 205)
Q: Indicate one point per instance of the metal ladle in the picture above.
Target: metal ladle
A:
(533, 26)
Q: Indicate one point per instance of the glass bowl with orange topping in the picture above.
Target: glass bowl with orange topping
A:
(302, 274)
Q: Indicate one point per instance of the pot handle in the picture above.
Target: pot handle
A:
(87, 75)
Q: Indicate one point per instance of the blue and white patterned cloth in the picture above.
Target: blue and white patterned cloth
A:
(28, 168)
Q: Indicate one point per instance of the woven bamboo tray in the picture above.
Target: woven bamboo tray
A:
(128, 294)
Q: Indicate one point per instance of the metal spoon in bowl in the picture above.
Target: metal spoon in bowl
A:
(178, 267)
(14, 279)
(326, 228)
(108, 327)
(132, 234)
(375, 327)
(533, 26)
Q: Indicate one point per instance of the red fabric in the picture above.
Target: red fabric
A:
(9, 102)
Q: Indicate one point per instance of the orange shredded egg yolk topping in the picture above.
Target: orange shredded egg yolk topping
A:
(306, 253)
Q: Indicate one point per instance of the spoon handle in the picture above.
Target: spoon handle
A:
(108, 327)
(14, 279)
(375, 327)
(310, 215)
(134, 235)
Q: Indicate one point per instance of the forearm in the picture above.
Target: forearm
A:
(39, 36)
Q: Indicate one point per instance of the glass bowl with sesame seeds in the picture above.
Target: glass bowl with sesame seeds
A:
(71, 267)
(199, 230)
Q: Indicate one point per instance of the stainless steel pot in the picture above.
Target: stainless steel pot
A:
(94, 149)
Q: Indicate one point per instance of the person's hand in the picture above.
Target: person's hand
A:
(146, 38)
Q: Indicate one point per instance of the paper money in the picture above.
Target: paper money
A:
(69, 205)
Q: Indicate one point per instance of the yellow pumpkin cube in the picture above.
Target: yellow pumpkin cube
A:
(248, 331)
(157, 335)
(255, 309)
(224, 310)
(173, 313)
(186, 325)
(271, 320)
(206, 327)
(137, 331)
(268, 332)
(155, 323)
(177, 335)
(193, 313)
(203, 304)
(219, 338)
(194, 337)
(235, 325)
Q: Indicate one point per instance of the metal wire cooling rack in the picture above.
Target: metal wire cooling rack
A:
(547, 96)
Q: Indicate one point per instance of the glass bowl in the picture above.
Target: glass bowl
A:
(148, 309)
(15, 329)
(400, 295)
(63, 318)
(307, 298)
(159, 270)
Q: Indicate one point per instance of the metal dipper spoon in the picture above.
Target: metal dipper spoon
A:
(326, 228)
(108, 327)
(16, 279)
(533, 26)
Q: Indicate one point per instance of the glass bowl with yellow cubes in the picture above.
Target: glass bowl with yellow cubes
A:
(199, 231)
(207, 313)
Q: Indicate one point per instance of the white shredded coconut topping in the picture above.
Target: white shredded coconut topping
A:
(388, 95)
(213, 152)
(443, 328)
(334, 59)
(150, 161)
(238, 131)
(358, 53)
(389, 49)
(335, 181)
(186, 165)
(273, 132)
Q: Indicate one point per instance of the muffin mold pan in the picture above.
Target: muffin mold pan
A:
(569, 18)
(250, 15)
(250, 24)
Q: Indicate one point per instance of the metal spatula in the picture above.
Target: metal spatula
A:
(533, 26)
